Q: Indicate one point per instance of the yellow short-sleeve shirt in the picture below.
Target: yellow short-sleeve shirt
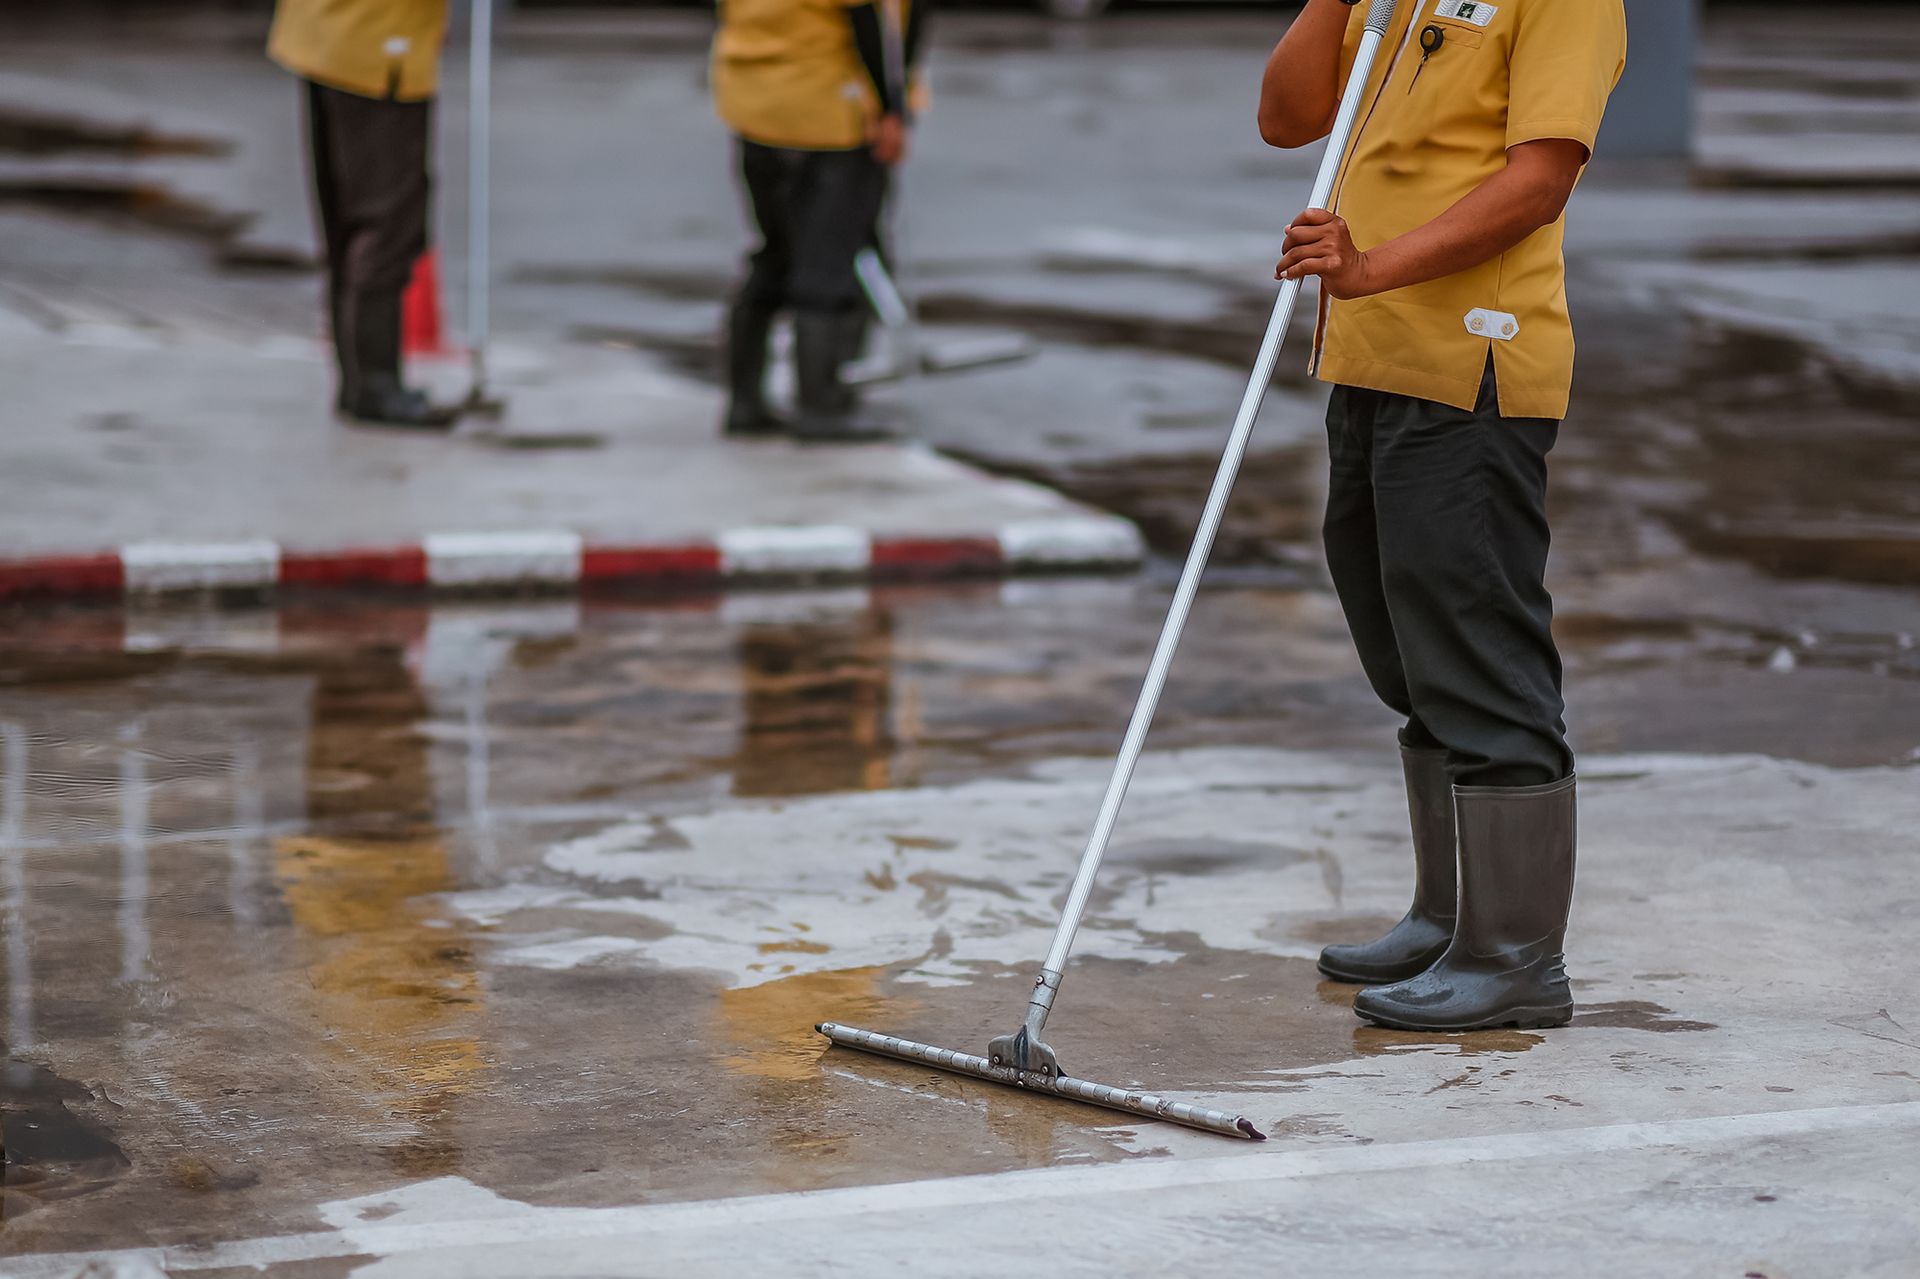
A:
(375, 48)
(1435, 124)
(786, 74)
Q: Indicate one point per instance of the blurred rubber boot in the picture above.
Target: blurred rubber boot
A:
(749, 330)
(1411, 946)
(829, 411)
(854, 330)
(1506, 964)
(371, 392)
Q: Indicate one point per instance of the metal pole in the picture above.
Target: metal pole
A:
(479, 190)
(896, 311)
(1378, 19)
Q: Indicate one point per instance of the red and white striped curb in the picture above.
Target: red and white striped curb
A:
(557, 559)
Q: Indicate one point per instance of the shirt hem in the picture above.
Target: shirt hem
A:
(1517, 399)
(359, 86)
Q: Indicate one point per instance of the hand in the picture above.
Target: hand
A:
(1318, 243)
(887, 139)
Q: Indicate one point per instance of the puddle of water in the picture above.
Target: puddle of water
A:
(769, 1027)
(49, 1152)
(1377, 1041)
(148, 206)
(817, 704)
(390, 972)
(1637, 1014)
(24, 133)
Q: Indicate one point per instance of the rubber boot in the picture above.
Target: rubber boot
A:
(1413, 944)
(371, 392)
(749, 328)
(829, 412)
(1505, 965)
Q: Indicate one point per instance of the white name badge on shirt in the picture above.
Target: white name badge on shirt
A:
(1478, 12)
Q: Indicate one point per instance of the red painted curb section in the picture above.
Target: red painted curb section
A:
(62, 575)
(393, 566)
(676, 564)
(908, 558)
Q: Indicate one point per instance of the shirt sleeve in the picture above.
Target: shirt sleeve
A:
(1567, 56)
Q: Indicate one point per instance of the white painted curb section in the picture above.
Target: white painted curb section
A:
(825, 550)
(199, 566)
(1073, 542)
(503, 559)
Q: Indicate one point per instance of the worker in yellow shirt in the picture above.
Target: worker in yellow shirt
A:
(815, 93)
(371, 70)
(1444, 330)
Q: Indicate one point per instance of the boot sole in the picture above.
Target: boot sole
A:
(1517, 1018)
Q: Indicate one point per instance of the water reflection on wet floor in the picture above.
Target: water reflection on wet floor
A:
(278, 928)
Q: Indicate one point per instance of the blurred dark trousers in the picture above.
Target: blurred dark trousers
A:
(815, 210)
(1437, 536)
(371, 183)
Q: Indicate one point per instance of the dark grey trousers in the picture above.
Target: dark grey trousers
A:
(373, 188)
(1437, 536)
(815, 211)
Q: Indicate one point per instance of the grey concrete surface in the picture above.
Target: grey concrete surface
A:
(114, 436)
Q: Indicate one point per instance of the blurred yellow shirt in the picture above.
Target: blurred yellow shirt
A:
(1434, 126)
(786, 73)
(375, 48)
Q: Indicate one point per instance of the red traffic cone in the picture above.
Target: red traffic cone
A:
(420, 328)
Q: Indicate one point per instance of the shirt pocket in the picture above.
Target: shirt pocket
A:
(1438, 94)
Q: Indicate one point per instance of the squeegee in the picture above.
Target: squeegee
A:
(1022, 1059)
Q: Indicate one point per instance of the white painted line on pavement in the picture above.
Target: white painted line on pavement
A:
(1026, 1185)
(199, 566)
(822, 548)
(546, 556)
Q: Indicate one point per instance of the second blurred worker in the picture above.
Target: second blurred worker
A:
(819, 118)
(371, 69)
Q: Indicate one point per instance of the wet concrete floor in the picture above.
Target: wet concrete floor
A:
(321, 903)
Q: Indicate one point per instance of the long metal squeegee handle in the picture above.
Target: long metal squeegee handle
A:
(1378, 20)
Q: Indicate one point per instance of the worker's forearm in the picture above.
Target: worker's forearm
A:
(1301, 88)
(1487, 221)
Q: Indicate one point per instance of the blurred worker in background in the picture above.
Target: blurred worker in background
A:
(816, 93)
(371, 69)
